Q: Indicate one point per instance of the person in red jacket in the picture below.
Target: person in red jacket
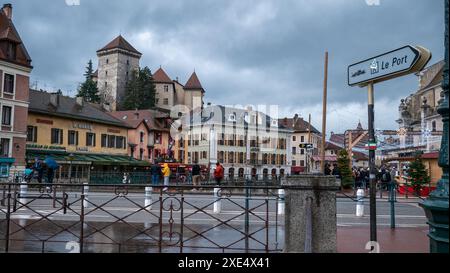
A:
(218, 173)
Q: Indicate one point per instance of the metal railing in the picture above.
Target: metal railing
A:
(75, 217)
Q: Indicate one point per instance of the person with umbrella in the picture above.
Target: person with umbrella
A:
(52, 165)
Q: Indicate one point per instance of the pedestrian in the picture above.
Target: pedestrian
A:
(156, 174)
(195, 175)
(51, 167)
(166, 174)
(327, 169)
(336, 171)
(218, 173)
(38, 168)
(28, 174)
(385, 178)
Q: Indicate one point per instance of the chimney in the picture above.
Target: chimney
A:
(80, 101)
(106, 107)
(54, 100)
(7, 9)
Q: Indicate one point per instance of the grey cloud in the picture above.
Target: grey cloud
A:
(243, 51)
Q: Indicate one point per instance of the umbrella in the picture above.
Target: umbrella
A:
(51, 163)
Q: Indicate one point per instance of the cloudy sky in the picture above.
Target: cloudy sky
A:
(244, 52)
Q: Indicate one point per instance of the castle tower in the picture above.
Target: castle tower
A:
(194, 92)
(116, 61)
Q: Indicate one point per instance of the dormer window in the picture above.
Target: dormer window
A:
(232, 117)
(274, 123)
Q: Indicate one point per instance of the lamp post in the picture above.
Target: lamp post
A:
(436, 205)
(71, 156)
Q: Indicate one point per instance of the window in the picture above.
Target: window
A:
(106, 73)
(142, 137)
(302, 163)
(294, 150)
(90, 139)
(120, 142)
(294, 163)
(166, 88)
(111, 141)
(104, 141)
(294, 138)
(128, 62)
(166, 101)
(158, 138)
(302, 139)
(107, 61)
(6, 115)
(4, 147)
(302, 151)
(141, 154)
(156, 101)
(57, 136)
(9, 84)
(106, 84)
(73, 138)
(433, 126)
(32, 134)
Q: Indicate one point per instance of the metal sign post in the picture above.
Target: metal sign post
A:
(393, 64)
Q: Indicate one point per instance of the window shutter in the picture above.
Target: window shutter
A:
(61, 136)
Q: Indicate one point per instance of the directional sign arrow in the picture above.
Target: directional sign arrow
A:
(396, 63)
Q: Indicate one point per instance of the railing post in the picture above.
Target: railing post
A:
(360, 203)
(218, 203)
(392, 201)
(81, 242)
(281, 201)
(23, 191)
(8, 218)
(148, 198)
(314, 196)
(85, 195)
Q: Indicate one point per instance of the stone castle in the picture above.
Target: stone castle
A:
(119, 58)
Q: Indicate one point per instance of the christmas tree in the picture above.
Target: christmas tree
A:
(418, 174)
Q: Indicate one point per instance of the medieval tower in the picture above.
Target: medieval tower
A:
(116, 61)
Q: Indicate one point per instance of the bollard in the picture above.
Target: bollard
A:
(148, 197)
(218, 203)
(360, 203)
(86, 193)
(23, 191)
(281, 199)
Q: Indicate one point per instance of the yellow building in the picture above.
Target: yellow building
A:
(78, 135)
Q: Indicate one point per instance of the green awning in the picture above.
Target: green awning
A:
(82, 158)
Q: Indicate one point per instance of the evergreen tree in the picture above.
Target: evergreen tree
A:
(345, 171)
(140, 91)
(88, 89)
(418, 174)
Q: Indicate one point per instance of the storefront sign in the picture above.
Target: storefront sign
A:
(44, 121)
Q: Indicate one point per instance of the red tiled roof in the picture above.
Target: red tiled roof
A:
(134, 118)
(331, 146)
(9, 32)
(121, 43)
(299, 125)
(193, 82)
(160, 76)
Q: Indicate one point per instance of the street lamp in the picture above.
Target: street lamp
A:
(436, 205)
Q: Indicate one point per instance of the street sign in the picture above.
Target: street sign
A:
(371, 146)
(305, 146)
(396, 63)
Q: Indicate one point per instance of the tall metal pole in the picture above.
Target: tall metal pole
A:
(324, 112)
(373, 208)
(308, 157)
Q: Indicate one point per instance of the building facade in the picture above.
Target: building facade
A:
(78, 135)
(246, 142)
(15, 69)
(303, 133)
(149, 135)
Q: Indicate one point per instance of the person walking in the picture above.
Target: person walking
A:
(51, 167)
(39, 169)
(28, 174)
(166, 174)
(156, 174)
(195, 175)
(218, 173)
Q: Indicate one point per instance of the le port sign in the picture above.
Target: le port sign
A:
(395, 63)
